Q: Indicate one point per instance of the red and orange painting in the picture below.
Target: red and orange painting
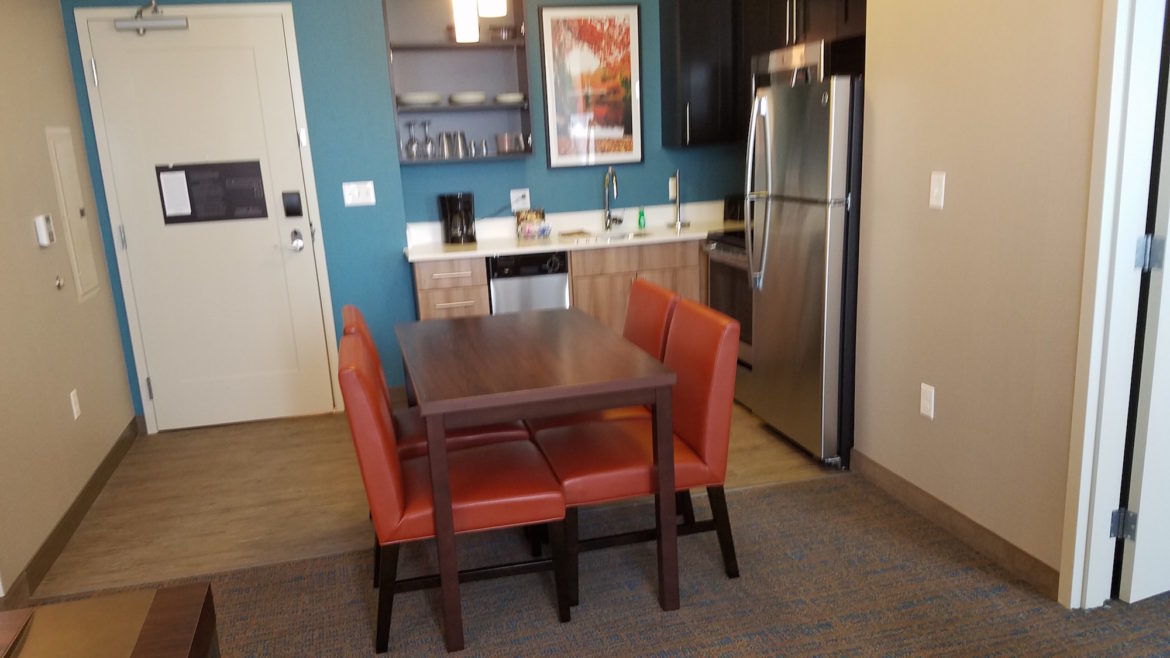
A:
(592, 81)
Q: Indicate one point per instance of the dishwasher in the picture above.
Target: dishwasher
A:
(529, 282)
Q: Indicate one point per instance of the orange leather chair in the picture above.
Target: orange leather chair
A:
(612, 460)
(493, 486)
(408, 424)
(648, 313)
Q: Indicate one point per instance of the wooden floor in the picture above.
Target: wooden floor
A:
(210, 500)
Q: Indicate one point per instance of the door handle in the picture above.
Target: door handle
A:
(296, 241)
(688, 122)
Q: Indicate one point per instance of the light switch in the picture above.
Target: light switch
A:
(358, 193)
(926, 401)
(938, 189)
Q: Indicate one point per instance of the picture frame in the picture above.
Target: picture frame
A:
(591, 60)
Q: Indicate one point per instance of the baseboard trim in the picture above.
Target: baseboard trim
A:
(1008, 556)
(28, 580)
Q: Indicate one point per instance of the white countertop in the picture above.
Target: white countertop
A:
(496, 237)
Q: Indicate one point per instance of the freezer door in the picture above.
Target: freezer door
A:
(793, 382)
(809, 126)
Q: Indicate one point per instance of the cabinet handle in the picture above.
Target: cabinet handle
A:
(688, 122)
(788, 22)
(451, 275)
(443, 305)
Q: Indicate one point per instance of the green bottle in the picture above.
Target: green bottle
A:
(641, 218)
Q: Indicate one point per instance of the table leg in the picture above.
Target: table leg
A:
(664, 501)
(445, 533)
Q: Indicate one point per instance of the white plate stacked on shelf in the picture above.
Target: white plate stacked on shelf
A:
(468, 98)
(510, 98)
(419, 98)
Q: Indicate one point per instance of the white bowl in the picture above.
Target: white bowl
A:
(510, 98)
(419, 98)
(468, 98)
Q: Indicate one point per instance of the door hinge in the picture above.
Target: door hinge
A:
(93, 68)
(1151, 253)
(149, 389)
(122, 236)
(1123, 524)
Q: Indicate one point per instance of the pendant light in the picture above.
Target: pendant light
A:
(466, 21)
(493, 8)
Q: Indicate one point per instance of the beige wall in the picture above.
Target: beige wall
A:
(49, 342)
(980, 299)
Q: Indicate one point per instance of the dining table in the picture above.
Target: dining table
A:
(472, 371)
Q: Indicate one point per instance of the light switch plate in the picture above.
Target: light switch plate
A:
(938, 189)
(926, 401)
(521, 199)
(358, 193)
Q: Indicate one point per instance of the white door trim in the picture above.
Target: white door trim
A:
(284, 10)
(1118, 195)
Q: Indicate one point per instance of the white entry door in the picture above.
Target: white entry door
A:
(199, 142)
(1146, 562)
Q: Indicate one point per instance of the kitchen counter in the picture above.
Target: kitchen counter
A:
(497, 236)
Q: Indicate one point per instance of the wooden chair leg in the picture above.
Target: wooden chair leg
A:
(685, 506)
(723, 530)
(556, 535)
(388, 574)
(572, 551)
(377, 559)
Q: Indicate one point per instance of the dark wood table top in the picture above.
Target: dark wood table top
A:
(481, 362)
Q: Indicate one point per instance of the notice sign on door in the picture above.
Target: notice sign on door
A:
(211, 192)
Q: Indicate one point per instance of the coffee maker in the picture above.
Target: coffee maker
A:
(457, 214)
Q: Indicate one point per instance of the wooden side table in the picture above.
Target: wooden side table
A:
(172, 622)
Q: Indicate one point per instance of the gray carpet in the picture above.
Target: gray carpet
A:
(830, 567)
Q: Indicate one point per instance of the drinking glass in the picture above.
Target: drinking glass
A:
(412, 149)
(428, 147)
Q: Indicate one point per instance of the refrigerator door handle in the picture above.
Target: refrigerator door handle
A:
(757, 274)
(750, 195)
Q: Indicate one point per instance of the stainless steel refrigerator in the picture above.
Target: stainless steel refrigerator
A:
(801, 214)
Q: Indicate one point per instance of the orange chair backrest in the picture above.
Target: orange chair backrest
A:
(354, 323)
(648, 315)
(702, 349)
(372, 429)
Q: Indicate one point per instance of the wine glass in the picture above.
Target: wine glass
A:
(428, 143)
(412, 148)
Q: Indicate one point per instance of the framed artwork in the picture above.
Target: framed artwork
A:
(592, 84)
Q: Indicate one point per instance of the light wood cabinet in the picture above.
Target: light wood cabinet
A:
(602, 277)
(452, 288)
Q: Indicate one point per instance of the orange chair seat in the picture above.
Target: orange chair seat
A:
(492, 486)
(611, 460)
(411, 431)
(621, 413)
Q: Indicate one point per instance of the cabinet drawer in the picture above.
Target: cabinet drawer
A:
(604, 261)
(453, 302)
(450, 273)
(668, 256)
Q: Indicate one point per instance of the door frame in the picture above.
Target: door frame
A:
(1127, 88)
(284, 10)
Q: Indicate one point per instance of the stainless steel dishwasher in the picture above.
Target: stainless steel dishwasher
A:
(529, 282)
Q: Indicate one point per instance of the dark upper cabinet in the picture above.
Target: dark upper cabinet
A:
(851, 19)
(698, 76)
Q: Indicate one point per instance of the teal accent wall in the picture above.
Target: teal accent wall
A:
(707, 172)
(349, 108)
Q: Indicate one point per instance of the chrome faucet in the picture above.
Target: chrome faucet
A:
(610, 179)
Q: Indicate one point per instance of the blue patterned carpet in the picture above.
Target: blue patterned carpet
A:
(831, 567)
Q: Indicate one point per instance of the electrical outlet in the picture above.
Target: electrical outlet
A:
(521, 199)
(938, 189)
(359, 193)
(76, 403)
(926, 401)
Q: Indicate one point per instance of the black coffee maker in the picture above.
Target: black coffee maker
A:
(457, 213)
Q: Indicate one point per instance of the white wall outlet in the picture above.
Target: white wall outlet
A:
(76, 403)
(938, 189)
(926, 401)
(358, 193)
(521, 199)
